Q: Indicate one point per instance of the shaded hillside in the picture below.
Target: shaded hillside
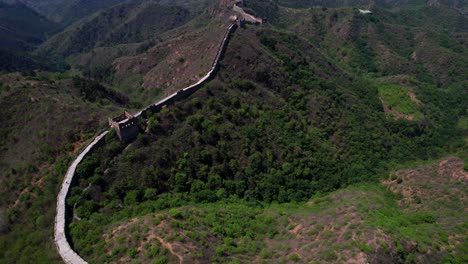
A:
(126, 23)
(22, 28)
(18, 61)
(66, 12)
(44, 7)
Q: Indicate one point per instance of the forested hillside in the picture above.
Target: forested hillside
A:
(455, 4)
(283, 132)
(364, 223)
(292, 113)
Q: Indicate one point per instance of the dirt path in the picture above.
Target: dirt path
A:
(169, 247)
(295, 231)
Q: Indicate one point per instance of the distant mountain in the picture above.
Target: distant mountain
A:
(66, 12)
(69, 11)
(22, 28)
(457, 4)
(125, 23)
(72, 10)
(43, 7)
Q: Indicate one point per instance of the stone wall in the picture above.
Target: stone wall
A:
(185, 92)
(60, 227)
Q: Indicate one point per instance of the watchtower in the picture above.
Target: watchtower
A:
(125, 125)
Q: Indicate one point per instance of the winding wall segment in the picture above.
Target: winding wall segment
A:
(60, 232)
(187, 91)
(64, 248)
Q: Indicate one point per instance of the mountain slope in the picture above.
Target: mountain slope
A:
(71, 11)
(279, 123)
(282, 112)
(409, 217)
(455, 4)
(286, 118)
(424, 42)
(22, 28)
(126, 23)
(43, 7)
(371, 223)
(66, 12)
(46, 120)
(140, 56)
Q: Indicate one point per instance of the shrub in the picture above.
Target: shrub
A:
(329, 255)
(175, 213)
(243, 85)
(132, 197)
(132, 252)
(161, 260)
(294, 257)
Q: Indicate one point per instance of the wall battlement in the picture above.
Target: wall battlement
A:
(125, 126)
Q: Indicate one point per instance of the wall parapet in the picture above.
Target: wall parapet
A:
(125, 126)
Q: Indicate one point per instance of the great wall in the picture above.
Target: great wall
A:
(126, 129)
(125, 124)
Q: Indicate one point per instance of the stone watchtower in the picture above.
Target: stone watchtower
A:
(125, 125)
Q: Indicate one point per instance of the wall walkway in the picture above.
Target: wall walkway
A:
(60, 228)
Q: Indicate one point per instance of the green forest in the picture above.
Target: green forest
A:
(317, 131)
